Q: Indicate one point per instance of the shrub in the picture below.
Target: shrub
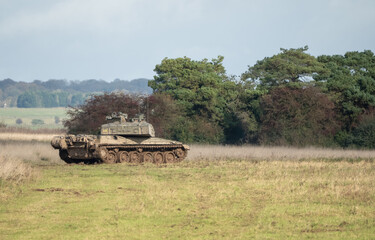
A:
(57, 120)
(37, 122)
(196, 130)
(14, 170)
(88, 117)
(364, 134)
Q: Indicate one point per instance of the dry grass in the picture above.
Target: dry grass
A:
(25, 130)
(197, 200)
(220, 192)
(15, 170)
(15, 136)
(39, 153)
(247, 152)
(222, 152)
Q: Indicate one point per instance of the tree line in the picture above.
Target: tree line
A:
(291, 98)
(62, 93)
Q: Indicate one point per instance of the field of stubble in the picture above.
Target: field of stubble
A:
(218, 192)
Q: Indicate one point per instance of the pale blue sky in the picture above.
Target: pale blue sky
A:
(125, 39)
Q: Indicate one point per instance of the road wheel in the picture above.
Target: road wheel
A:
(123, 157)
(103, 154)
(135, 157)
(65, 156)
(147, 157)
(169, 157)
(158, 157)
(180, 153)
(111, 157)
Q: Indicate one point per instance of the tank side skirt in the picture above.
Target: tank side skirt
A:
(164, 149)
(143, 147)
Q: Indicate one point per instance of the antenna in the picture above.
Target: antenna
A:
(147, 115)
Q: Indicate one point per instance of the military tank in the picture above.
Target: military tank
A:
(120, 140)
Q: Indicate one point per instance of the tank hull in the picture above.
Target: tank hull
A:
(116, 149)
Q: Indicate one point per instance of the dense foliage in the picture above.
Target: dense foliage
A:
(160, 110)
(291, 66)
(45, 99)
(297, 116)
(291, 98)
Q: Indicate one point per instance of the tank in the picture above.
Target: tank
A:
(120, 140)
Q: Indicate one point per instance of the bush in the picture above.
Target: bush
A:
(14, 170)
(37, 122)
(19, 121)
(344, 139)
(364, 135)
(57, 120)
(88, 117)
(196, 130)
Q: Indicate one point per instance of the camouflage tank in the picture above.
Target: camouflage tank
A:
(120, 140)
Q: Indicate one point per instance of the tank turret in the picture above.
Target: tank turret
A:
(117, 124)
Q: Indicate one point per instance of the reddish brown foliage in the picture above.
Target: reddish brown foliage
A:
(87, 118)
(160, 110)
(297, 116)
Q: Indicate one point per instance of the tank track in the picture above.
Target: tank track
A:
(157, 154)
(141, 153)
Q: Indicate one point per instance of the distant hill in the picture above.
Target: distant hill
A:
(61, 93)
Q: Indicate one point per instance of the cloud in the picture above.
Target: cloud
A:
(78, 39)
(85, 15)
(97, 16)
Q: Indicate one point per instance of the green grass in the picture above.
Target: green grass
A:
(193, 200)
(10, 115)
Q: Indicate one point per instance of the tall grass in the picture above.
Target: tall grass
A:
(36, 148)
(19, 160)
(36, 153)
(25, 130)
(208, 196)
(247, 152)
(26, 137)
(196, 200)
(15, 170)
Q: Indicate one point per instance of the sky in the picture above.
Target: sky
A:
(125, 39)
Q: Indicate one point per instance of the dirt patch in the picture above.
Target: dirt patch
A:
(75, 192)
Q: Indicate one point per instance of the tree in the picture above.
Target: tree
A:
(202, 91)
(351, 82)
(162, 112)
(28, 100)
(201, 88)
(196, 129)
(242, 116)
(363, 135)
(88, 117)
(290, 67)
(297, 116)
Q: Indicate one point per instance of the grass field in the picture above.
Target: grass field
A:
(274, 193)
(10, 115)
